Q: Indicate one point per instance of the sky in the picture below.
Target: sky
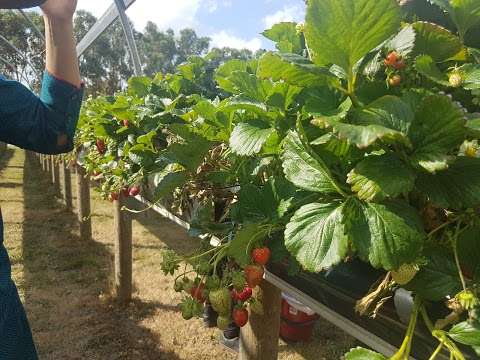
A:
(233, 23)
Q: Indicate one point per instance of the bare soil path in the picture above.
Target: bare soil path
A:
(65, 284)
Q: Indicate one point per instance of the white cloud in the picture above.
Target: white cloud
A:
(175, 14)
(288, 13)
(223, 38)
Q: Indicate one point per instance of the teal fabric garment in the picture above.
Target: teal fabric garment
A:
(33, 123)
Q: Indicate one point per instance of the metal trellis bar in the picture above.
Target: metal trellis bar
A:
(100, 26)
(34, 27)
(127, 29)
(19, 52)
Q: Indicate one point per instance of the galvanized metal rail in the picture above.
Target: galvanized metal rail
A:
(100, 26)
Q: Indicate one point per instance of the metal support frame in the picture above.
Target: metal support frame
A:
(34, 27)
(19, 52)
(127, 29)
(100, 26)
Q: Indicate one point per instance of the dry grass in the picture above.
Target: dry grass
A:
(65, 284)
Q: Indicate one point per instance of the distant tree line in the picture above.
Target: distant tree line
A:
(106, 66)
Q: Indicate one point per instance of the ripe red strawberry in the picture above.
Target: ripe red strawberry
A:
(126, 191)
(134, 191)
(126, 123)
(240, 317)
(253, 275)
(197, 292)
(243, 295)
(261, 255)
(391, 58)
(101, 146)
(113, 196)
(399, 65)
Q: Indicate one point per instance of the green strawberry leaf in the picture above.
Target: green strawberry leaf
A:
(270, 201)
(223, 73)
(249, 138)
(306, 171)
(240, 102)
(387, 235)
(342, 32)
(438, 278)
(139, 86)
(471, 76)
(467, 333)
(245, 239)
(464, 13)
(166, 183)
(435, 41)
(382, 176)
(388, 111)
(293, 69)
(438, 129)
(286, 37)
(249, 85)
(426, 66)
(458, 187)
(363, 135)
(316, 237)
(363, 354)
(468, 246)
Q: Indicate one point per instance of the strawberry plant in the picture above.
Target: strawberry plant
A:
(358, 138)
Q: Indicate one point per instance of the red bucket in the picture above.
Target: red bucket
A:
(296, 325)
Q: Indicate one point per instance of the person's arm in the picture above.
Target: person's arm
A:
(61, 55)
(47, 123)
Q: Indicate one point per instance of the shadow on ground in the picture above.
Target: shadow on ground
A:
(65, 282)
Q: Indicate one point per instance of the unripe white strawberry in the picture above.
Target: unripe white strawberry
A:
(455, 79)
(405, 273)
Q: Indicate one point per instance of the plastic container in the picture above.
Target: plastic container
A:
(297, 320)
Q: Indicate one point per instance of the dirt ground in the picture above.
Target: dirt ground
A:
(65, 283)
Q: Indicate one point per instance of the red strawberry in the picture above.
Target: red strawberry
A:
(253, 275)
(399, 65)
(391, 58)
(243, 295)
(240, 317)
(113, 196)
(197, 292)
(134, 191)
(261, 255)
(126, 123)
(126, 191)
(101, 146)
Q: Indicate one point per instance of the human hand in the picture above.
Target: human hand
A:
(59, 10)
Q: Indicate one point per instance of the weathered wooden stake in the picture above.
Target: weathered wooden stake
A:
(67, 185)
(123, 252)
(259, 338)
(48, 167)
(83, 204)
(55, 175)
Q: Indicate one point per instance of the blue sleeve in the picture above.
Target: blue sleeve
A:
(37, 123)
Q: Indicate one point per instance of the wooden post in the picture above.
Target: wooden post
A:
(48, 167)
(55, 175)
(83, 205)
(123, 252)
(67, 185)
(259, 338)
